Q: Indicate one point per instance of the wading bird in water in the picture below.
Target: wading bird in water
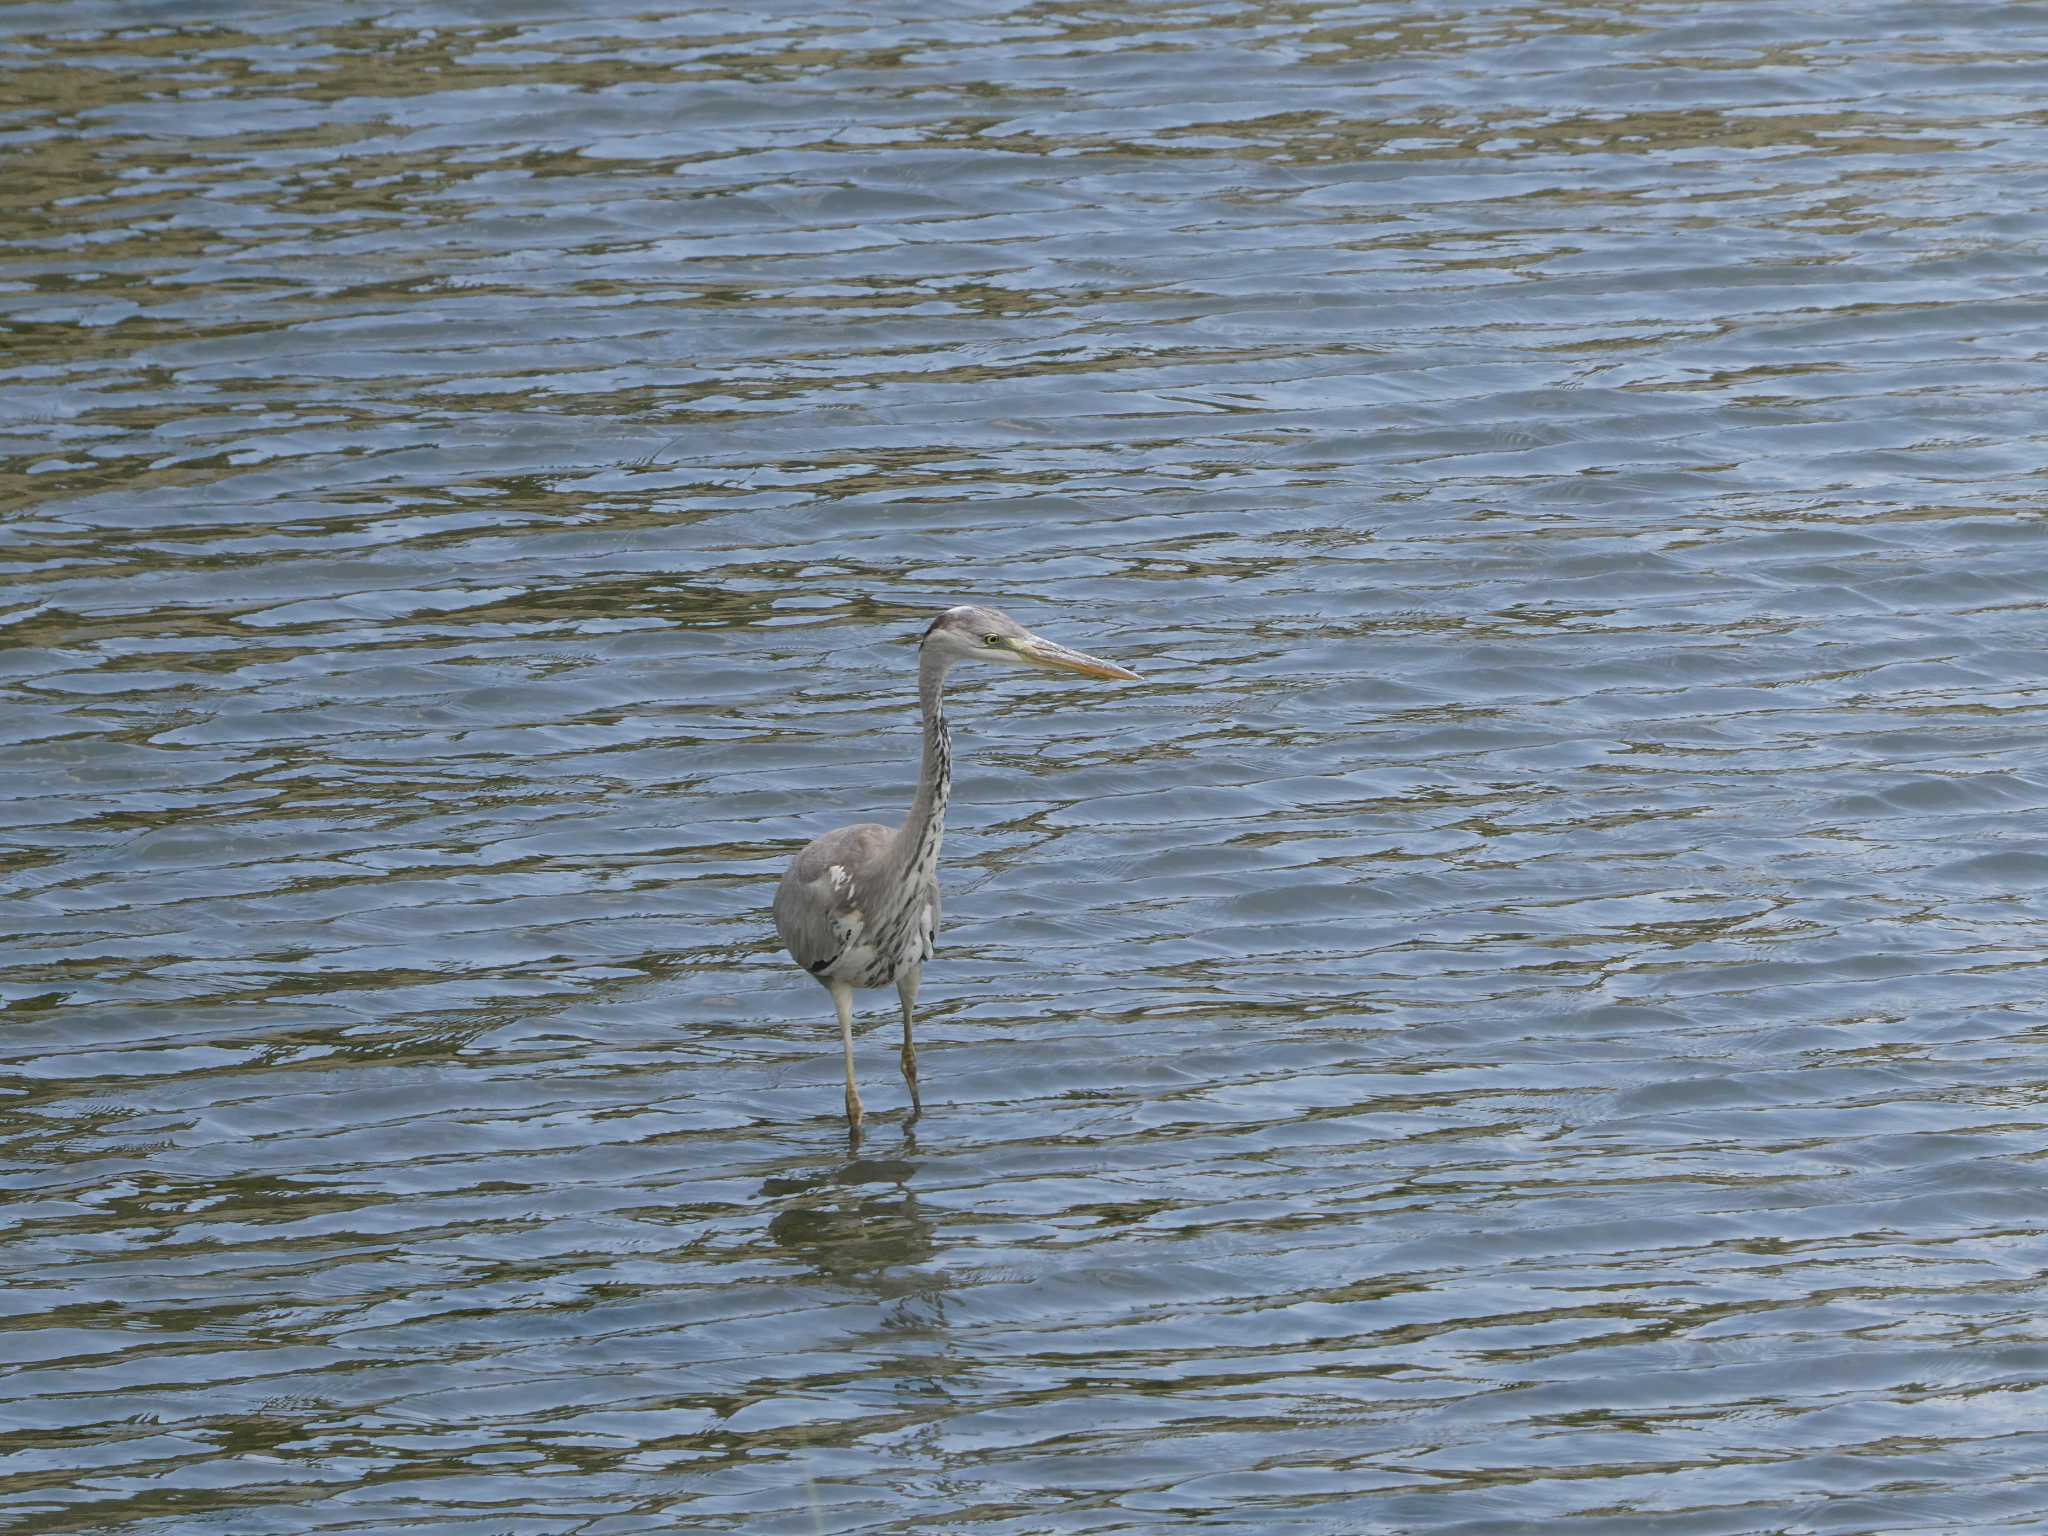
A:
(859, 907)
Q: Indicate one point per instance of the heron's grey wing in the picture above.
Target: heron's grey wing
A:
(820, 907)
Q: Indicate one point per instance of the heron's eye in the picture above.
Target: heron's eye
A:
(993, 642)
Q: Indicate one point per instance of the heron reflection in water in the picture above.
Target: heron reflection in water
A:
(859, 907)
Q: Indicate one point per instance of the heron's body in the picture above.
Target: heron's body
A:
(872, 929)
(859, 907)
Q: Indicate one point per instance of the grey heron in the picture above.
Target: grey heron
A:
(859, 907)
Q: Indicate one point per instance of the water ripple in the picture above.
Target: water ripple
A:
(1527, 1013)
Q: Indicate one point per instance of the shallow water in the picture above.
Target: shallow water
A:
(1531, 1011)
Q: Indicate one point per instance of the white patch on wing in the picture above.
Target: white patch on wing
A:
(841, 880)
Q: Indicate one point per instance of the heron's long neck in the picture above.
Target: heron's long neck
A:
(917, 842)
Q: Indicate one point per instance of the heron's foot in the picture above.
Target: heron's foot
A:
(909, 1059)
(853, 1111)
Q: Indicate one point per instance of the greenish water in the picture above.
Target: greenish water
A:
(1532, 1012)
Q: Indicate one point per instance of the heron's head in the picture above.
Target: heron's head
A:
(982, 634)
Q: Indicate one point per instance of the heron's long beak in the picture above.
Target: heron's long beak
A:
(1057, 658)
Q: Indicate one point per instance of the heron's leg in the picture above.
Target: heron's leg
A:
(906, 989)
(842, 999)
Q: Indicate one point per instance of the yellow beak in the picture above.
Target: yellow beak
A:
(1057, 658)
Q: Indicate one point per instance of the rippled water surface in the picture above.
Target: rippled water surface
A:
(1531, 1012)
